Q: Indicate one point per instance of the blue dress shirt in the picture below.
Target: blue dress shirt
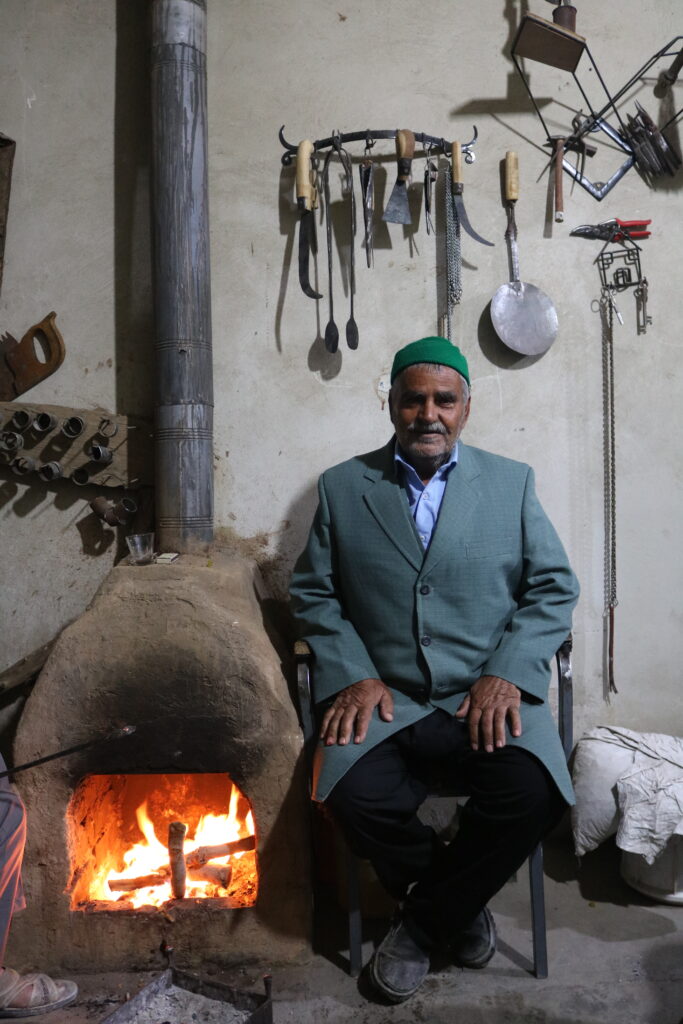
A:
(424, 500)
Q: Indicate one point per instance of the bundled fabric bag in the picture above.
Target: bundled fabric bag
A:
(630, 785)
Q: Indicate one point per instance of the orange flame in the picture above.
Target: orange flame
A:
(150, 855)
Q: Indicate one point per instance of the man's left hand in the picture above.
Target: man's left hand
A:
(491, 702)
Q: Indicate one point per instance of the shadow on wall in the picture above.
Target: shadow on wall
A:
(24, 497)
(133, 300)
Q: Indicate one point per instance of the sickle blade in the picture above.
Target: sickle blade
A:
(307, 245)
(464, 220)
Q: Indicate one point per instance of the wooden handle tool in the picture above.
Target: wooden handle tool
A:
(511, 177)
(306, 192)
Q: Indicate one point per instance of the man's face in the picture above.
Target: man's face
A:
(428, 413)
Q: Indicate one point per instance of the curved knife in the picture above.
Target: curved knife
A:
(307, 201)
(457, 186)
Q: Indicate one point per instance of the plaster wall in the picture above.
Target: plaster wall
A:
(75, 97)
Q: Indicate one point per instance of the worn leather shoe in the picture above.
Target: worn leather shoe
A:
(399, 965)
(475, 945)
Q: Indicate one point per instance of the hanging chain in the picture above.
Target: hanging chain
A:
(607, 309)
(453, 258)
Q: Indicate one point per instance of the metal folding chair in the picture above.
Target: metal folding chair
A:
(303, 658)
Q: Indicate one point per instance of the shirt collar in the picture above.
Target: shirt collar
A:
(443, 471)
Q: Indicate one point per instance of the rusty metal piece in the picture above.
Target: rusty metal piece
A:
(73, 426)
(100, 506)
(23, 464)
(114, 514)
(50, 471)
(22, 369)
(7, 150)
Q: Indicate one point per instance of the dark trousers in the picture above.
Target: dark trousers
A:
(512, 803)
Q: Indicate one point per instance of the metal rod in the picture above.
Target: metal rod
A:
(182, 287)
(117, 734)
(370, 135)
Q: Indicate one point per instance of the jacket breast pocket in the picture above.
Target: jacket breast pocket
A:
(496, 546)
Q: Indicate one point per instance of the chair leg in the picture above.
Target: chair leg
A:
(355, 921)
(538, 928)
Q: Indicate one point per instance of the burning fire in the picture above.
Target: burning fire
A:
(150, 857)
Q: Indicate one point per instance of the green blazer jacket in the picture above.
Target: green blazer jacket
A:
(492, 595)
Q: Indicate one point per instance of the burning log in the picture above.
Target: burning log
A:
(177, 830)
(202, 854)
(141, 882)
(217, 874)
(195, 863)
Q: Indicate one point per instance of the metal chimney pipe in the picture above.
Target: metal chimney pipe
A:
(182, 287)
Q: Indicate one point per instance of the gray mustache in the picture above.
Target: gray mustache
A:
(435, 428)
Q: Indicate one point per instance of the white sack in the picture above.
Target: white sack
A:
(598, 765)
(629, 783)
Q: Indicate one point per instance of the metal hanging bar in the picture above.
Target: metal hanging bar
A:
(370, 135)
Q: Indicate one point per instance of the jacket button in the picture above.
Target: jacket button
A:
(426, 641)
(425, 589)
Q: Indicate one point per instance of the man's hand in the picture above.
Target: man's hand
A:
(352, 710)
(490, 702)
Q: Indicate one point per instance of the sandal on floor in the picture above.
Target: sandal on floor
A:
(46, 995)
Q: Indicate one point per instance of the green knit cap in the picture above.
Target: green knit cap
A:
(430, 350)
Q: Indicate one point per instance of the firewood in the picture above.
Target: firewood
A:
(217, 874)
(141, 882)
(177, 830)
(203, 854)
(194, 862)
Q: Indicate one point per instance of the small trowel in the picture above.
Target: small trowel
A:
(398, 208)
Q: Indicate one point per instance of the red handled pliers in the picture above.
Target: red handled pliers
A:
(615, 230)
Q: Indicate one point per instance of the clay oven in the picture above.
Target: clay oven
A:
(181, 652)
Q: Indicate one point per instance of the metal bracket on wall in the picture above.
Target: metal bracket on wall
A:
(370, 135)
(87, 446)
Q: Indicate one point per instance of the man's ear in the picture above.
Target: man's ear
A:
(391, 405)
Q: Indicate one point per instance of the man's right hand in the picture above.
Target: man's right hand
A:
(352, 710)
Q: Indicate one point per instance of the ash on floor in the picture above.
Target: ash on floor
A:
(179, 1006)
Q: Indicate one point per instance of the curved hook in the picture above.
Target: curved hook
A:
(286, 158)
(467, 146)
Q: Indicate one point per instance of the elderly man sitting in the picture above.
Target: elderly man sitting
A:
(434, 592)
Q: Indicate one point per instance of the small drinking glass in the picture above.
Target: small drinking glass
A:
(141, 547)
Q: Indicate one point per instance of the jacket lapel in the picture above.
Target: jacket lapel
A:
(460, 500)
(387, 503)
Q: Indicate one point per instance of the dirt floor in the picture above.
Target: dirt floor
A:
(615, 958)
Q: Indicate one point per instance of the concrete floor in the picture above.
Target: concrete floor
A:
(615, 958)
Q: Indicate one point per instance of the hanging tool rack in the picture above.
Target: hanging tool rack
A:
(548, 43)
(371, 135)
(312, 177)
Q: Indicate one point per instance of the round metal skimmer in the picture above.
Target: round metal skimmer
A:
(524, 318)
